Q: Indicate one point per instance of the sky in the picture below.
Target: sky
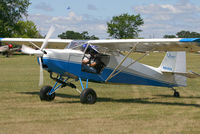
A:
(160, 16)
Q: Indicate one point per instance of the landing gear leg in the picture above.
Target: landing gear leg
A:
(176, 93)
(47, 93)
(88, 95)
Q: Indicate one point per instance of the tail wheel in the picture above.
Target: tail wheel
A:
(44, 94)
(88, 96)
(176, 94)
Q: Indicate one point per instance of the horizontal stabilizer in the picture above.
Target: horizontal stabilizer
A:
(192, 74)
(189, 74)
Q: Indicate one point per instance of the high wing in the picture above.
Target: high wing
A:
(140, 45)
(143, 45)
(52, 43)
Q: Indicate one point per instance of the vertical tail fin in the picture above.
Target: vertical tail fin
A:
(174, 62)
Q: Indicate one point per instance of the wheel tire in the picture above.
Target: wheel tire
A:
(88, 96)
(176, 94)
(44, 94)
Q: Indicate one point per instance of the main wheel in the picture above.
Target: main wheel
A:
(176, 94)
(88, 96)
(44, 93)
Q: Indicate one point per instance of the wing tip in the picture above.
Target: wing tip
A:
(190, 40)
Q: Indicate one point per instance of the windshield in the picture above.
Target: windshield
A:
(76, 45)
(82, 45)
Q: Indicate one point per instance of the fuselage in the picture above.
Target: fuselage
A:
(68, 62)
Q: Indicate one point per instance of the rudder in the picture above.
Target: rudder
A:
(174, 62)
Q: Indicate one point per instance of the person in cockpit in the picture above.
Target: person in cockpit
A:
(91, 61)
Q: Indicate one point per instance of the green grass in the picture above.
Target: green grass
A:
(119, 109)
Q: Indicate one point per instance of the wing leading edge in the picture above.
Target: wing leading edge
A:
(140, 45)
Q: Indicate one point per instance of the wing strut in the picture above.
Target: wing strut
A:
(34, 45)
(129, 65)
(117, 67)
(113, 74)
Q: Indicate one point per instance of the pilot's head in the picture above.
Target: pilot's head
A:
(90, 49)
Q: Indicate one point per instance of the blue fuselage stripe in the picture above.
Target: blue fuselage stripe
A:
(63, 67)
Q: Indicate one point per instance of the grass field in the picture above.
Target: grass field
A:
(120, 109)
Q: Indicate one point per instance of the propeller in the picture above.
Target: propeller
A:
(50, 32)
(41, 73)
(40, 52)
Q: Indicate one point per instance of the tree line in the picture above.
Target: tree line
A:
(124, 26)
(184, 34)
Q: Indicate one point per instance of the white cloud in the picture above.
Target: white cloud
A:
(70, 22)
(170, 8)
(71, 18)
(161, 19)
(44, 6)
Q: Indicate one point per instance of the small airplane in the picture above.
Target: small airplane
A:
(68, 8)
(8, 49)
(112, 66)
(5, 49)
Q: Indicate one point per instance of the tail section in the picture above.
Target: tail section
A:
(174, 64)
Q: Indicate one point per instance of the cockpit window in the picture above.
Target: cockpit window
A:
(76, 45)
(82, 45)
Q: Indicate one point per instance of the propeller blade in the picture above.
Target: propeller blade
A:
(50, 32)
(28, 50)
(41, 73)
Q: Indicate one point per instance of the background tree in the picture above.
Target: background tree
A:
(26, 29)
(187, 34)
(125, 26)
(169, 36)
(77, 36)
(11, 11)
(184, 34)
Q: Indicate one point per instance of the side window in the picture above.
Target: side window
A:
(94, 63)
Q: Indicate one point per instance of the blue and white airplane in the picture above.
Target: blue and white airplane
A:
(111, 65)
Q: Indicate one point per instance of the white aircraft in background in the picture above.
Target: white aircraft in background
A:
(5, 48)
(111, 65)
(8, 49)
